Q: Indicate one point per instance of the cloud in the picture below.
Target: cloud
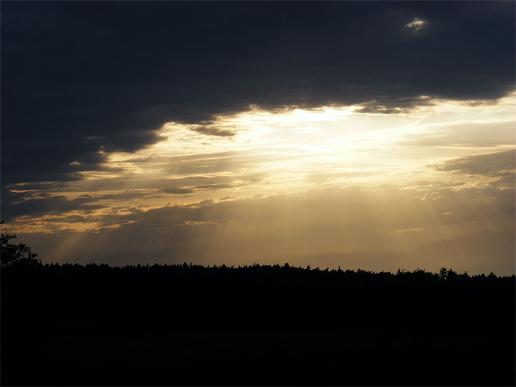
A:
(26, 205)
(37, 200)
(489, 164)
(36, 204)
(213, 131)
(177, 190)
(77, 79)
(416, 24)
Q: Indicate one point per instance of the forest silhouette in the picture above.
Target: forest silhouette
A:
(69, 324)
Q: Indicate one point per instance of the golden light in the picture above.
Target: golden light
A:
(260, 153)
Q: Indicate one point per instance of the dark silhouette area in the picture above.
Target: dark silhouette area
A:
(15, 254)
(254, 325)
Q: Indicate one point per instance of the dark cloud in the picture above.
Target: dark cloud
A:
(49, 205)
(32, 201)
(36, 204)
(177, 190)
(82, 76)
(133, 186)
(489, 164)
(214, 131)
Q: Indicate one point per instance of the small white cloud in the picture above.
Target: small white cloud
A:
(416, 24)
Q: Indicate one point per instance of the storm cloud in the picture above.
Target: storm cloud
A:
(84, 77)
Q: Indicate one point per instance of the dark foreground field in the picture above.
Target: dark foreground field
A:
(95, 325)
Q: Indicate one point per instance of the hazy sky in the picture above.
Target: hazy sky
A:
(352, 134)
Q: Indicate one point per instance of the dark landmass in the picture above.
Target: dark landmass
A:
(260, 325)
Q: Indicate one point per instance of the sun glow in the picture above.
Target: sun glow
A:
(260, 153)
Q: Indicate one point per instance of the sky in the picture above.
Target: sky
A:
(373, 135)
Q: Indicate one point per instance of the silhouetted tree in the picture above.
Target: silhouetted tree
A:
(16, 254)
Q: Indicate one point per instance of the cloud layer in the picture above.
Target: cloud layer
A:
(79, 77)
(359, 134)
